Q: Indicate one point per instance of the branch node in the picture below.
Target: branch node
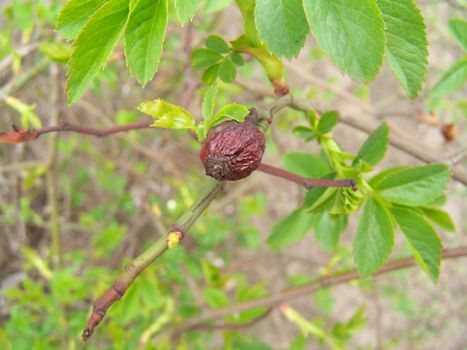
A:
(175, 236)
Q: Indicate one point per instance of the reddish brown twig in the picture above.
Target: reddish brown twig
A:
(143, 124)
(25, 135)
(303, 181)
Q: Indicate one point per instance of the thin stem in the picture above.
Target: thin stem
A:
(142, 124)
(303, 181)
(51, 176)
(23, 79)
(306, 289)
(123, 282)
(25, 135)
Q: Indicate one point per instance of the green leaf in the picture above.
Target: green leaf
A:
(203, 58)
(375, 180)
(439, 217)
(218, 44)
(351, 32)
(186, 9)
(237, 59)
(306, 327)
(144, 38)
(282, 26)
(210, 74)
(209, 102)
(108, 239)
(290, 229)
(215, 298)
(73, 15)
(93, 44)
(57, 51)
(231, 111)
(227, 71)
(452, 80)
(328, 229)
(306, 165)
(245, 293)
(304, 133)
(375, 146)
(422, 237)
(313, 198)
(458, 29)
(414, 186)
(312, 118)
(374, 238)
(327, 121)
(28, 117)
(168, 115)
(406, 45)
(216, 5)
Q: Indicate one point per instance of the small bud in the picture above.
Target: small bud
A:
(173, 239)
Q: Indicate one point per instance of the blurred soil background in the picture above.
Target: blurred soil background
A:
(116, 194)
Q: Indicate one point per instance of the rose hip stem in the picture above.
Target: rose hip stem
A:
(307, 183)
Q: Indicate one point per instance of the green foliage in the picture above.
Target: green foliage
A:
(327, 121)
(57, 52)
(175, 117)
(306, 165)
(374, 238)
(215, 298)
(203, 58)
(440, 218)
(412, 186)
(47, 309)
(217, 43)
(354, 35)
(423, 240)
(93, 44)
(328, 229)
(452, 80)
(456, 75)
(374, 148)
(355, 43)
(74, 15)
(406, 43)
(458, 28)
(227, 71)
(337, 337)
(218, 60)
(144, 38)
(280, 26)
(28, 117)
(168, 115)
(408, 189)
(209, 102)
(186, 9)
(291, 229)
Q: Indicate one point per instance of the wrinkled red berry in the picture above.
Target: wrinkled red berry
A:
(232, 150)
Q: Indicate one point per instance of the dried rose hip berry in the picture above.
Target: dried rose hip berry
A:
(232, 150)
